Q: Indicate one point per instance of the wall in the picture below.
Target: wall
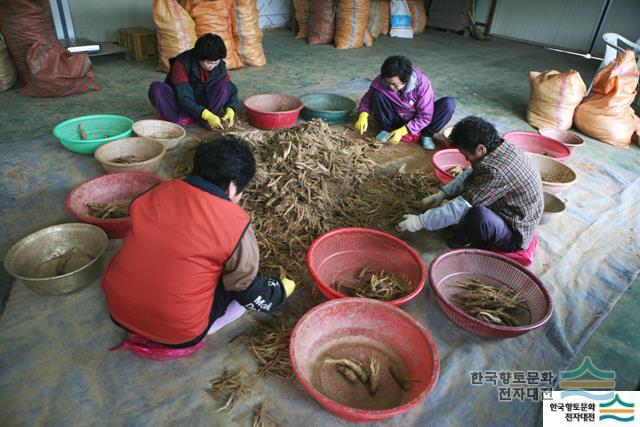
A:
(274, 13)
(99, 20)
(567, 24)
(623, 18)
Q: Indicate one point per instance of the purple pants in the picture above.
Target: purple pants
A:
(163, 98)
(386, 115)
(485, 229)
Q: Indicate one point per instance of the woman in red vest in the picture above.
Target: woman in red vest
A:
(191, 257)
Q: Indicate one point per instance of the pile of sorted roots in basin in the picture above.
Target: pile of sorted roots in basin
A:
(311, 179)
(381, 285)
(499, 306)
(107, 210)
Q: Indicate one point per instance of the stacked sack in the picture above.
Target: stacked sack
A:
(554, 98)
(418, 16)
(322, 24)
(606, 114)
(301, 8)
(46, 67)
(379, 17)
(235, 21)
(175, 31)
(7, 69)
(351, 24)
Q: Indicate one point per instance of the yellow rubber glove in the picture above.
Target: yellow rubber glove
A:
(362, 123)
(212, 119)
(229, 115)
(397, 134)
(288, 285)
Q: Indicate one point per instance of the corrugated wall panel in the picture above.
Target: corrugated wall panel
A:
(567, 24)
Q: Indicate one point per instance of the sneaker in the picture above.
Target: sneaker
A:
(427, 143)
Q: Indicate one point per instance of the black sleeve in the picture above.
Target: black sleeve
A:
(264, 295)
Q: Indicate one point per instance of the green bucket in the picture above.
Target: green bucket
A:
(332, 108)
(99, 130)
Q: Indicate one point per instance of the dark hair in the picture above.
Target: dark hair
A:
(209, 47)
(225, 159)
(472, 131)
(397, 65)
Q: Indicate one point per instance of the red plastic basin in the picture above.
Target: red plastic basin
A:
(111, 188)
(340, 254)
(356, 328)
(450, 268)
(444, 160)
(532, 142)
(273, 110)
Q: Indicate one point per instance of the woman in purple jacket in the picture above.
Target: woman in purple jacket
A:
(402, 100)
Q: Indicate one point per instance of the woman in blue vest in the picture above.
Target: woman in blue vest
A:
(197, 87)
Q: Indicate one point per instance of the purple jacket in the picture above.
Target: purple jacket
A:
(414, 103)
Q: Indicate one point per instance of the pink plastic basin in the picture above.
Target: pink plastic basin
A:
(273, 110)
(444, 160)
(570, 139)
(488, 267)
(340, 254)
(357, 328)
(532, 142)
(116, 188)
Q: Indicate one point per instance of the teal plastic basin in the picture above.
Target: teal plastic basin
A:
(329, 107)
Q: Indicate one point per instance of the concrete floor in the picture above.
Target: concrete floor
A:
(486, 78)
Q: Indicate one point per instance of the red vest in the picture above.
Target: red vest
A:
(162, 281)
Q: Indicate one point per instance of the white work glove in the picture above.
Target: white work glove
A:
(411, 223)
(433, 200)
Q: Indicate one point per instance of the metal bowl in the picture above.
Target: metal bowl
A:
(58, 259)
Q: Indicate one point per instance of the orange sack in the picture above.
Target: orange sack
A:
(606, 113)
(352, 18)
(554, 98)
(379, 17)
(322, 21)
(418, 16)
(247, 35)
(301, 8)
(214, 16)
(175, 31)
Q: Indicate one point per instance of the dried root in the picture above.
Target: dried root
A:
(270, 345)
(381, 286)
(130, 158)
(107, 210)
(489, 303)
(262, 418)
(229, 387)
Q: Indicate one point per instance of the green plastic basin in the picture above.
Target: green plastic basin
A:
(329, 107)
